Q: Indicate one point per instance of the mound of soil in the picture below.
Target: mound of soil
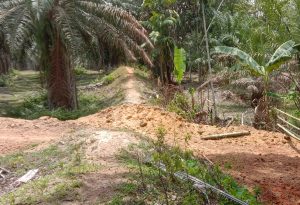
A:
(264, 159)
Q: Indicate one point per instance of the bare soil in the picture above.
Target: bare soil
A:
(264, 159)
(101, 147)
(18, 134)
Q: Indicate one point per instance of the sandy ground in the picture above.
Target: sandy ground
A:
(101, 147)
(263, 159)
(18, 134)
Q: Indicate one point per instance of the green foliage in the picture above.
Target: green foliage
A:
(163, 187)
(245, 59)
(108, 79)
(179, 63)
(80, 70)
(7, 79)
(281, 55)
(183, 106)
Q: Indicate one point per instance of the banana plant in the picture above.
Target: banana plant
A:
(281, 55)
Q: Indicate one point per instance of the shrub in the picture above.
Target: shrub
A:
(182, 106)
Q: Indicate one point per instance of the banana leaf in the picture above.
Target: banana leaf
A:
(179, 63)
(243, 57)
(281, 55)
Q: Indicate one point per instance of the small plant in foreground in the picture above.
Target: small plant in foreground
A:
(162, 187)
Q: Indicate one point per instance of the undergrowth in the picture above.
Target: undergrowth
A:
(36, 107)
(150, 185)
(80, 70)
(57, 179)
(183, 106)
(7, 79)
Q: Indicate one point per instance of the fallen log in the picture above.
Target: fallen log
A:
(226, 135)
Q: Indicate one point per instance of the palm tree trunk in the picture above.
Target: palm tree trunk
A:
(61, 81)
(4, 64)
(4, 56)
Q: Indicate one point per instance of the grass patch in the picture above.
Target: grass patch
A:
(58, 177)
(111, 77)
(36, 107)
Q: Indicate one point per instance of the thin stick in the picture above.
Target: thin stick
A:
(288, 132)
(210, 24)
(291, 116)
(290, 124)
(215, 112)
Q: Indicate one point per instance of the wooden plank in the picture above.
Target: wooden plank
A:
(288, 132)
(290, 124)
(226, 135)
(291, 116)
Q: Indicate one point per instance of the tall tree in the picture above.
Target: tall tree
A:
(63, 30)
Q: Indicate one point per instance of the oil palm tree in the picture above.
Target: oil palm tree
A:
(61, 31)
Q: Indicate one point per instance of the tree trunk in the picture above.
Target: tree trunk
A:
(4, 56)
(215, 114)
(4, 62)
(61, 81)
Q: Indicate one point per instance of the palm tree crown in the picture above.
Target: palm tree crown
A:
(58, 32)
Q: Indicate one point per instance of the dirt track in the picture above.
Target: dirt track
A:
(262, 159)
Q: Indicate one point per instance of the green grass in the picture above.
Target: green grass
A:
(26, 99)
(36, 107)
(58, 177)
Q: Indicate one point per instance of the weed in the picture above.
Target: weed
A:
(163, 188)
